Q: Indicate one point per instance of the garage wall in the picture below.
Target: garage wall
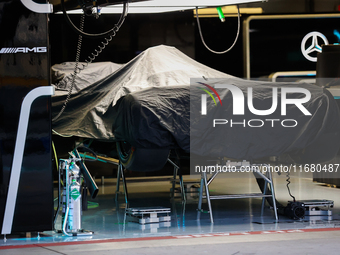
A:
(177, 29)
(138, 33)
(297, 6)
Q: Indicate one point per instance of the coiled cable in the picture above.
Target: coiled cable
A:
(101, 47)
(81, 66)
(288, 182)
(80, 39)
(90, 58)
(99, 35)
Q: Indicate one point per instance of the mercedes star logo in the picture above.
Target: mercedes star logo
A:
(314, 40)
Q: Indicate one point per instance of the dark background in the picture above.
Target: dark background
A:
(179, 29)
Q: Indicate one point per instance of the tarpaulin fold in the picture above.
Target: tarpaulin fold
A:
(149, 103)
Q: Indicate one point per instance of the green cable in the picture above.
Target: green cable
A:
(55, 156)
(220, 14)
(88, 147)
(92, 205)
(94, 158)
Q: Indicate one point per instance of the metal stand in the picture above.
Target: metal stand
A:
(205, 184)
(177, 172)
(120, 175)
(318, 207)
(145, 215)
(191, 189)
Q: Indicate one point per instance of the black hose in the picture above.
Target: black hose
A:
(288, 182)
(80, 39)
(100, 35)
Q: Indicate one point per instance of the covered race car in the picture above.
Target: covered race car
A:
(148, 107)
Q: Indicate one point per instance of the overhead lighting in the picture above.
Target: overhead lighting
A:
(159, 6)
(227, 11)
(136, 10)
(140, 10)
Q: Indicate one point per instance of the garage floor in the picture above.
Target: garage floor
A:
(106, 217)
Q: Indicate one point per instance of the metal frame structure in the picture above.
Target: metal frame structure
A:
(307, 74)
(121, 176)
(146, 215)
(268, 181)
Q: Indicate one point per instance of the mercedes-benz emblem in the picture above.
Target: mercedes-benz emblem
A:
(314, 40)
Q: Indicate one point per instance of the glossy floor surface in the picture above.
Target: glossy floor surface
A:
(107, 219)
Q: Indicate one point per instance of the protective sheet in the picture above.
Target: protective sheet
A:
(89, 111)
(90, 73)
(306, 139)
(147, 103)
(157, 117)
(166, 117)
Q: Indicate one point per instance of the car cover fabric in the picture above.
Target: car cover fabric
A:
(150, 103)
(89, 111)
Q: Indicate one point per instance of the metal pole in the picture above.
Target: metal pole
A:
(208, 196)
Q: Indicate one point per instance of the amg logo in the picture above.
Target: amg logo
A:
(23, 50)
